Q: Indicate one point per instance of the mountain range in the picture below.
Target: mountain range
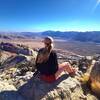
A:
(93, 36)
(89, 36)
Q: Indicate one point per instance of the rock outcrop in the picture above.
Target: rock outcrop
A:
(62, 89)
(65, 88)
(18, 49)
(95, 78)
(18, 83)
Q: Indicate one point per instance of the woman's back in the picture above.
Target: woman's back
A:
(50, 66)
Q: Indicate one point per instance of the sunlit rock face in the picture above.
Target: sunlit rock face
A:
(95, 78)
(18, 49)
(65, 88)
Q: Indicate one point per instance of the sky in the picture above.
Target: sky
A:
(43, 15)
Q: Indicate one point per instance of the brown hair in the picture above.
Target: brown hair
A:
(44, 54)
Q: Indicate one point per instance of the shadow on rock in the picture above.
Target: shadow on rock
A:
(36, 89)
(10, 95)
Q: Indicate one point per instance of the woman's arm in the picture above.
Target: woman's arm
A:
(54, 63)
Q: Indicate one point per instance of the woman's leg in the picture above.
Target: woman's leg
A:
(65, 66)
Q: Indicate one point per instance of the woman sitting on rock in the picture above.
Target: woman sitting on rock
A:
(47, 64)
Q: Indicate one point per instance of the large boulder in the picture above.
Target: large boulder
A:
(64, 88)
(18, 60)
(17, 48)
(95, 78)
(4, 56)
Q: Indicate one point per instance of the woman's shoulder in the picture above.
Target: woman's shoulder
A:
(53, 52)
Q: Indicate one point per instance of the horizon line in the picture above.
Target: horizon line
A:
(43, 31)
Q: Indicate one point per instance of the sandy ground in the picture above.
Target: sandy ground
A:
(81, 48)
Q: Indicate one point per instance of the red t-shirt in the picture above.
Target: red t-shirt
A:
(48, 78)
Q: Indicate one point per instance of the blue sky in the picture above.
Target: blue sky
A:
(42, 15)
